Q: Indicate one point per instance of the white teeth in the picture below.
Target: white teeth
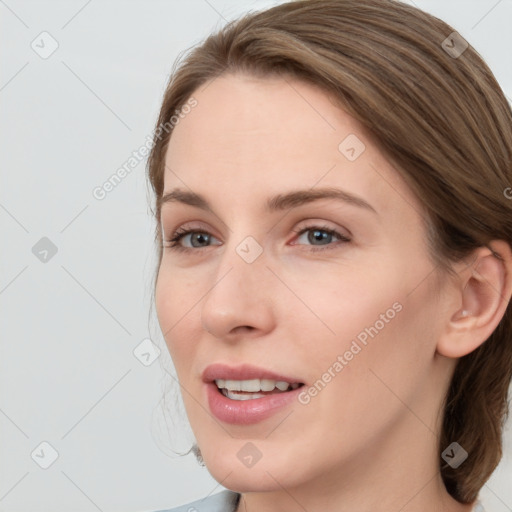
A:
(254, 385)
(267, 384)
(233, 395)
(283, 386)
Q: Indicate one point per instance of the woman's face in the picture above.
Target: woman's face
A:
(336, 293)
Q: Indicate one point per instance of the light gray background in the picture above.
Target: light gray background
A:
(68, 375)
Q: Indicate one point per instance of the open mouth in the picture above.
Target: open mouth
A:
(254, 388)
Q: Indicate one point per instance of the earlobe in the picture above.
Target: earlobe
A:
(485, 291)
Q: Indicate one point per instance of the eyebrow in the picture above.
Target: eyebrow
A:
(276, 203)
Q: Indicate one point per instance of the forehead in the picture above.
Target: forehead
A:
(254, 137)
(248, 118)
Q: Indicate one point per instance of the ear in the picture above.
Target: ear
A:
(483, 293)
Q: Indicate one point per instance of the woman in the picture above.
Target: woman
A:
(334, 220)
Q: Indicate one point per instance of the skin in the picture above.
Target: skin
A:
(368, 440)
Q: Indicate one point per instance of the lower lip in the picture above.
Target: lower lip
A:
(247, 412)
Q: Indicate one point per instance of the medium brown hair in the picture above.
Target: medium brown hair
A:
(443, 122)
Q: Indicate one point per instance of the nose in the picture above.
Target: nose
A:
(241, 300)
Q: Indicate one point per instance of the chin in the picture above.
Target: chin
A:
(250, 480)
(266, 474)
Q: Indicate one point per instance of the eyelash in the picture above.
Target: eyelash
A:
(173, 243)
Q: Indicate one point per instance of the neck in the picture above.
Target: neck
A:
(400, 473)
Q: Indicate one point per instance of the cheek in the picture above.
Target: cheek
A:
(395, 360)
(174, 301)
(343, 301)
(374, 316)
(175, 295)
(360, 388)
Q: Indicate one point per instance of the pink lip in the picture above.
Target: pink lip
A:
(245, 412)
(242, 372)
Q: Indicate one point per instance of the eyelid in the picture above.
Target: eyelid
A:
(322, 225)
(195, 225)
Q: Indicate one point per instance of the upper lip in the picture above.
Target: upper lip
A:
(243, 372)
